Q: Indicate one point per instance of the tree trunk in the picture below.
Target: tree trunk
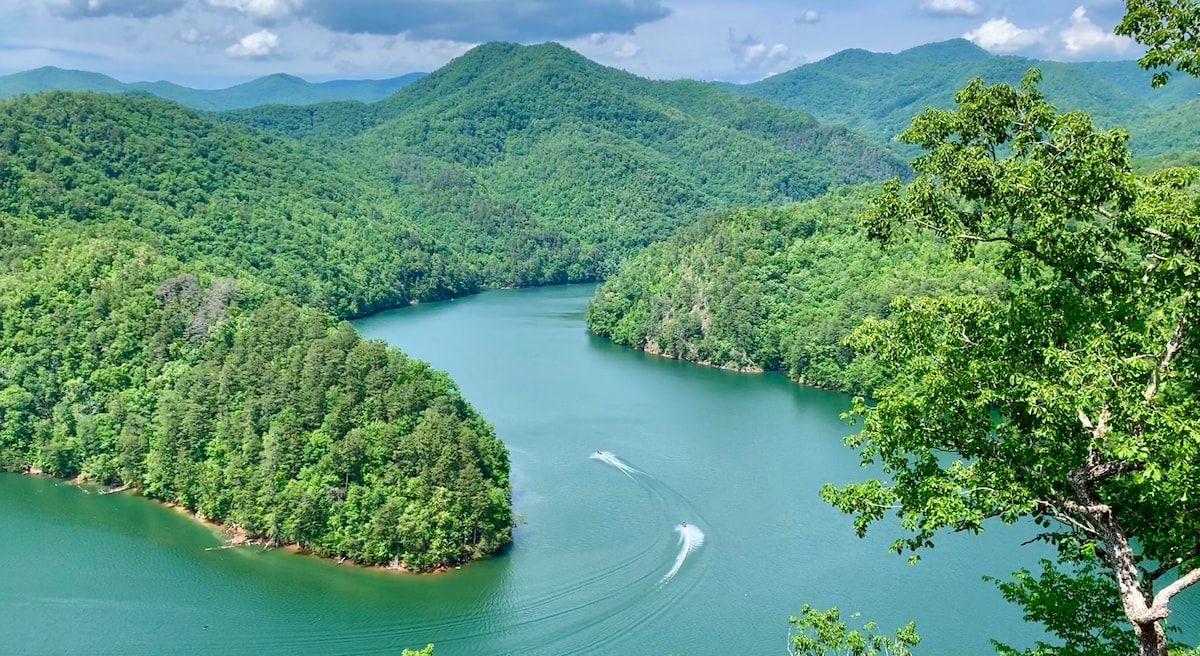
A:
(1152, 640)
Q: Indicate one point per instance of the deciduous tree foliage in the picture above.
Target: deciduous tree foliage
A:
(1168, 28)
(1070, 398)
(824, 633)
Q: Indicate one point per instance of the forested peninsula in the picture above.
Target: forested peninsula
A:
(167, 322)
(774, 289)
(173, 284)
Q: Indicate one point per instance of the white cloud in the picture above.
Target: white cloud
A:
(750, 53)
(1000, 35)
(260, 10)
(951, 7)
(1082, 37)
(258, 45)
(628, 50)
(811, 16)
(191, 35)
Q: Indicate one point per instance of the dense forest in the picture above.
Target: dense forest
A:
(168, 293)
(553, 169)
(780, 289)
(172, 281)
(124, 368)
(774, 288)
(174, 285)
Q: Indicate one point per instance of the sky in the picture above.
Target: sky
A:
(216, 43)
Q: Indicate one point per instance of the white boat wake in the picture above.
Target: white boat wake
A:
(691, 538)
(612, 459)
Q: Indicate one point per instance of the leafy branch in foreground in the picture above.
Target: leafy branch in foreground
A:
(1068, 399)
(823, 633)
(1167, 28)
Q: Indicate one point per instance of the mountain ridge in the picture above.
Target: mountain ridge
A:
(277, 88)
(586, 163)
(879, 93)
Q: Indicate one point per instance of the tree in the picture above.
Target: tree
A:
(1168, 29)
(1070, 397)
(823, 633)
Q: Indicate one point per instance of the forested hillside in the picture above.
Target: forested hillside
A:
(773, 288)
(278, 89)
(148, 169)
(152, 334)
(878, 93)
(559, 167)
(171, 284)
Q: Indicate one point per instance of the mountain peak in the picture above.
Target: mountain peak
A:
(498, 53)
(496, 65)
(951, 50)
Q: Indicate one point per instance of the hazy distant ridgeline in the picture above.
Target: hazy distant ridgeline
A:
(878, 93)
(874, 93)
(279, 89)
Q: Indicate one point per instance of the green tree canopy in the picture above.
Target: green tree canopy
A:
(1168, 29)
(1070, 398)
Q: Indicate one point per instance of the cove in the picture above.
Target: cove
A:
(600, 565)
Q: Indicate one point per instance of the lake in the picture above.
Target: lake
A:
(612, 452)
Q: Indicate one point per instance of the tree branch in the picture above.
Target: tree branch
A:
(1097, 510)
(1157, 234)
(1179, 585)
(1167, 567)
(1063, 517)
(1168, 353)
(920, 223)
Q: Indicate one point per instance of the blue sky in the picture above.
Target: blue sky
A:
(211, 43)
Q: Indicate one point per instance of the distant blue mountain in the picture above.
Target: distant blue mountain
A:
(278, 89)
(879, 93)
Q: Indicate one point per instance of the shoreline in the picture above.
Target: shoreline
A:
(236, 536)
(652, 348)
(750, 369)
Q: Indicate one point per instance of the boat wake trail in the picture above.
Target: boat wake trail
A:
(612, 459)
(691, 538)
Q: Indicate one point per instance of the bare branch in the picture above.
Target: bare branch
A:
(1157, 234)
(1168, 353)
(968, 339)
(1054, 511)
(1179, 585)
(1097, 510)
(965, 236)
(1167, 567)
